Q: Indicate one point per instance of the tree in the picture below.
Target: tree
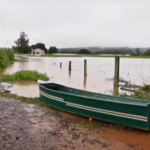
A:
(52, 50)
(84, 51)
(40, 46)
(22, 43)
(24, 49)
(137, 51)
(147, 52)
(22, 40)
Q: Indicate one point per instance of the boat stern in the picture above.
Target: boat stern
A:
(148, 117)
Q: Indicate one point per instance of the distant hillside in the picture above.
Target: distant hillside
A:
(100, 50)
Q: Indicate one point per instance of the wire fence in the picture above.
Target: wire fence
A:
(132, 70)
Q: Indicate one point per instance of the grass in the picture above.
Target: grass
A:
(22, 99)
(76, 55)
(95, 55)
(145, 88)
(138, 95)
(74, 134)
(6, 56)
(24, 75)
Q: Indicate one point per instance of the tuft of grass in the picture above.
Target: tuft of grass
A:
(138, 95)
(74, 134)
(92, 124)
(22, 75)
(51, 110)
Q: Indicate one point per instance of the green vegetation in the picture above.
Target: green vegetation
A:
(84, 51)
(22, 44)
(74, 134)
(52, 50)
(76, 55)
(28, 75)
(22, 99)
(6, 57)
(145, 88)
(138, 95)
(94, 55)
(91, 124)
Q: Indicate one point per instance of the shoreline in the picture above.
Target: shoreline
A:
(91, 55)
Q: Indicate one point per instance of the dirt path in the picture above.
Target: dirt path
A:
(30, 126)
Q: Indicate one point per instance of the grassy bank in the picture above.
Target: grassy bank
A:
(6, 57)
(23, 75)
(76, 55)
(93, 55)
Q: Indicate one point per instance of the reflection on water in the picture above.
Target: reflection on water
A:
(116, 90)
(25, 89)
(69, 74)
(84, 83)
(99, 70)
(2, 71)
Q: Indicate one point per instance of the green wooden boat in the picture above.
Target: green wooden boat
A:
(119, 110)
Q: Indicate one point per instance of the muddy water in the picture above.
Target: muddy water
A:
(100, 71)
(131, 138)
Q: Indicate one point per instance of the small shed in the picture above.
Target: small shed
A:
(37, 52)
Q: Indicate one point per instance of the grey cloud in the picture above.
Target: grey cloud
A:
(74, 23)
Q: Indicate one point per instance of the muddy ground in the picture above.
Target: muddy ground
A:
(33, 127)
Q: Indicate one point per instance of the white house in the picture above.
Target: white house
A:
(37, 52)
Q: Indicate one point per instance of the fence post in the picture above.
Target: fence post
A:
(60, 65)
(116, 74)
(69, 65)
(85, 80)
(85, 67)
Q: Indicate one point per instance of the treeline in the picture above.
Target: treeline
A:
(22, 45)
(109, 50)
(6, 56)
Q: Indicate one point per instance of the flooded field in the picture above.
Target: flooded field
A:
(100, 73)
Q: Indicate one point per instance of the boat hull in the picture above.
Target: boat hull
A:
(120, 113)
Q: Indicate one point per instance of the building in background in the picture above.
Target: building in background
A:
(37, 52)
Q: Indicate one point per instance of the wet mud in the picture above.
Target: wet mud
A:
(31, 126)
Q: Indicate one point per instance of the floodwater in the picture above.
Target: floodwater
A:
(100, 73)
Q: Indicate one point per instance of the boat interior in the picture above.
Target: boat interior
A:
(77, 92)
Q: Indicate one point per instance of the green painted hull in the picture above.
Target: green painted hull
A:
(124, 111)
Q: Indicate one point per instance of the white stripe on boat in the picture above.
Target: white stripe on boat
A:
(104, 111)
(52, 97)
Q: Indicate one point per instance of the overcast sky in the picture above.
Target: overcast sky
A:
(74, 23)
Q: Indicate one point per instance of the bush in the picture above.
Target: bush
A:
(23, 75)
(10, 54)
(6, 56)
(84, 51)
(4, 60)
(52, 50)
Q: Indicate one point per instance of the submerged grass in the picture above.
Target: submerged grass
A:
(27, 75)
(146, 88)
